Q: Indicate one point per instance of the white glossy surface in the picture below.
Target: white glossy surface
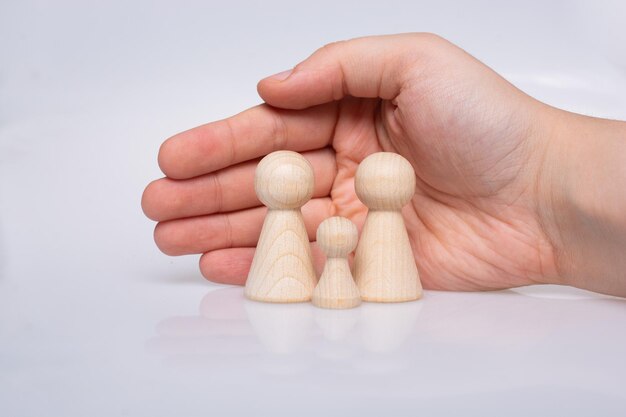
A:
(94, 321)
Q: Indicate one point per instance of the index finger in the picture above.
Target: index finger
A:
(247, 135)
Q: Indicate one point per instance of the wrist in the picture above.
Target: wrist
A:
(582, 202)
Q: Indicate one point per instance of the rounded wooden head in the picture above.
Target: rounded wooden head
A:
(337, 236)
(385, 181)
(284, 180)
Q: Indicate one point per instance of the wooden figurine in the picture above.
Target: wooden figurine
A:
(337, 237)
(385, 269)
(282, 267)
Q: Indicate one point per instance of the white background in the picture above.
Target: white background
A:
(94, 321)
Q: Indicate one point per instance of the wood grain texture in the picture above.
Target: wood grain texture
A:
(337, 237)
(385, 269)
(282, 268)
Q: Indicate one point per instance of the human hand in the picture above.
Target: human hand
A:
(478, 219)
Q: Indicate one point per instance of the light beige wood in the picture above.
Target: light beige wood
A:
(282, 267)
(385, 269)
(337, 237)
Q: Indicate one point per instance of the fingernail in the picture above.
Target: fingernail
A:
(281, 76)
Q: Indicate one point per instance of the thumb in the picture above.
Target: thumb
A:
(377, 66)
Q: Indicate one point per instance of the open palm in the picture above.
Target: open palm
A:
(474, 140)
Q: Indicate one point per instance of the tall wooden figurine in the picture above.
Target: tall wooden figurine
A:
(282, 267)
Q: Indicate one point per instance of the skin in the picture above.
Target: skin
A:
(500, 199)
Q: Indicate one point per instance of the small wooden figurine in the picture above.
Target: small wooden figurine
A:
(337, 237)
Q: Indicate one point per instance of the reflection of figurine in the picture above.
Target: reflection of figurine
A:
(442, 342)
(337, 325)
(385, 327)
(281, 328)
(280, 338)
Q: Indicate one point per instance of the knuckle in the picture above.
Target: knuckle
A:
(432, 40)
(231, 147)
(279, 130)
(429, 36)
(217, 192)
(227, 230)
(332, 47)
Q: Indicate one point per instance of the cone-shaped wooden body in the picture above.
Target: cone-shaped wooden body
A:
(282, 267)
(385, 269)
(337, 237)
